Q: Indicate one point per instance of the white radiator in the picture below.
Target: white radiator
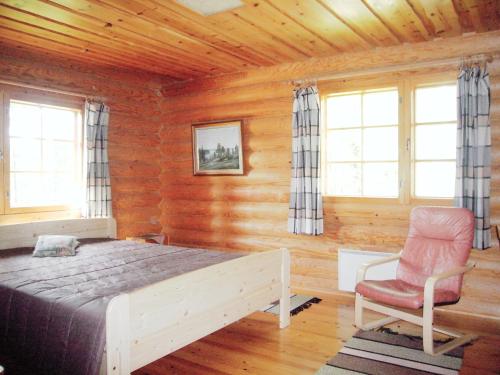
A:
(350, 260)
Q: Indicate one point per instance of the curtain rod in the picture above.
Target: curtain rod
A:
(398, 67)
(55, 91)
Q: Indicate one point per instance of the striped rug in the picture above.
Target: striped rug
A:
(388, 353)
(298, 302)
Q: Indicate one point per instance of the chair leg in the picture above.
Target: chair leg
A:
(428, 328)
(358, 311)
(358, 317)
(427, 325)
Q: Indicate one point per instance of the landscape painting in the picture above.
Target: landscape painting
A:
(217, 148)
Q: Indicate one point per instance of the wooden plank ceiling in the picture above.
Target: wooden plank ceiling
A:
(163, 36)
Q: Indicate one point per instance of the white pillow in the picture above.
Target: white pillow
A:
(55, 246)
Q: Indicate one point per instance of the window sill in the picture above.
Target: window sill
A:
(20, 218)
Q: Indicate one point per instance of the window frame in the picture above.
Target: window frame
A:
(406, 83)
(9, 93)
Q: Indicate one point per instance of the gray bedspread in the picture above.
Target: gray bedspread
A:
(52, 310)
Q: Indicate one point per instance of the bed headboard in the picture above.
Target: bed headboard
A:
(26, 234)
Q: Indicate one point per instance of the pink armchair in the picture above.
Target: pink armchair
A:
(430, 272)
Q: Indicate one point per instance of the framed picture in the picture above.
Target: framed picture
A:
(217, 148)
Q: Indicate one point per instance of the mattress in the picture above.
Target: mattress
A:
(52, 310)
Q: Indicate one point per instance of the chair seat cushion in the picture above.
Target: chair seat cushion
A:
(400, 293)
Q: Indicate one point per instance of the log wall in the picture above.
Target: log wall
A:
(250, 212)
(133, 130)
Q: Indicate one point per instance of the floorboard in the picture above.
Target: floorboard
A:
(255, 345)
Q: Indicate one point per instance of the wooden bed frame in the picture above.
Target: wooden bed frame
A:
(149, 323)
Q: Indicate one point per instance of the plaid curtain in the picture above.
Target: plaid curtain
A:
(472, 188)
(98, 195)
(305, 215)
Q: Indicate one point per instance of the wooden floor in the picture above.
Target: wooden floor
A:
(255, 345)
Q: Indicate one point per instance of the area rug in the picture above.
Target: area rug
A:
(388, 353)
(298, 302)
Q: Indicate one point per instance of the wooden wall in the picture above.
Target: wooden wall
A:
(250, 212)
(133, 131)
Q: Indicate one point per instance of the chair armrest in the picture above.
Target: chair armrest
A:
(362, 270)
(430, 283)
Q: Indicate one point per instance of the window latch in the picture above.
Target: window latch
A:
(1, 155)
(407, 144)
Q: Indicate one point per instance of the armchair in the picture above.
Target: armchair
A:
(430, 272)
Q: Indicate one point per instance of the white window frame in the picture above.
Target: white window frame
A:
(8, 93)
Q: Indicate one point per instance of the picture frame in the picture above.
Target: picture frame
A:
(217, 148)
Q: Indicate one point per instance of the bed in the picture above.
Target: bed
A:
(119, 305)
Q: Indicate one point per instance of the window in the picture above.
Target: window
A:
(435, 128)
(362, 144)
(42, 166)
(392, 141)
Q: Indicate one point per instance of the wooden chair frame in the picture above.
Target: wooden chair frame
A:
(426, 321)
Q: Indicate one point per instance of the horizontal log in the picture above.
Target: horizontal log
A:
(139, 184)
(268, 126)
(348, 62)
(136, 200)
(129, 168)
(236, 96)
(132, 153)
(125, 229)
(252, 109)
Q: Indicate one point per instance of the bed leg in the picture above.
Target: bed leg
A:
(285, 289)
(118, 336)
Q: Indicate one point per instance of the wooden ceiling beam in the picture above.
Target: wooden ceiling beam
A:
(483, 43)
(163, 37)
(85, 47)
(469, 11)
(17, 38)
(160, 15)
(400, 37)
(421, 14)
(312, 16)
(69, 17)
(94, 40)
(442, 15)
(284, 10)
(361, 20)
(244, 33)
(489, 13)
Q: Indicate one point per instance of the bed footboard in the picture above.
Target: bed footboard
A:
(154, 321)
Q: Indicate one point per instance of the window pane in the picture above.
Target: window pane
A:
(380, 179)
(44, 151)
(26, 189)
(380, 144)
(344, 179)
(25, 120)
(25, 154)
(344, 111)
(435, 141)
(436, 104)
(58, 156)
(60, 189)
(380, 108)
(435, 179)
(344, 145)
(58, 123)
(38, 190)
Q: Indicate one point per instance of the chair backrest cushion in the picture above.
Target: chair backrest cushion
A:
(439, 239)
